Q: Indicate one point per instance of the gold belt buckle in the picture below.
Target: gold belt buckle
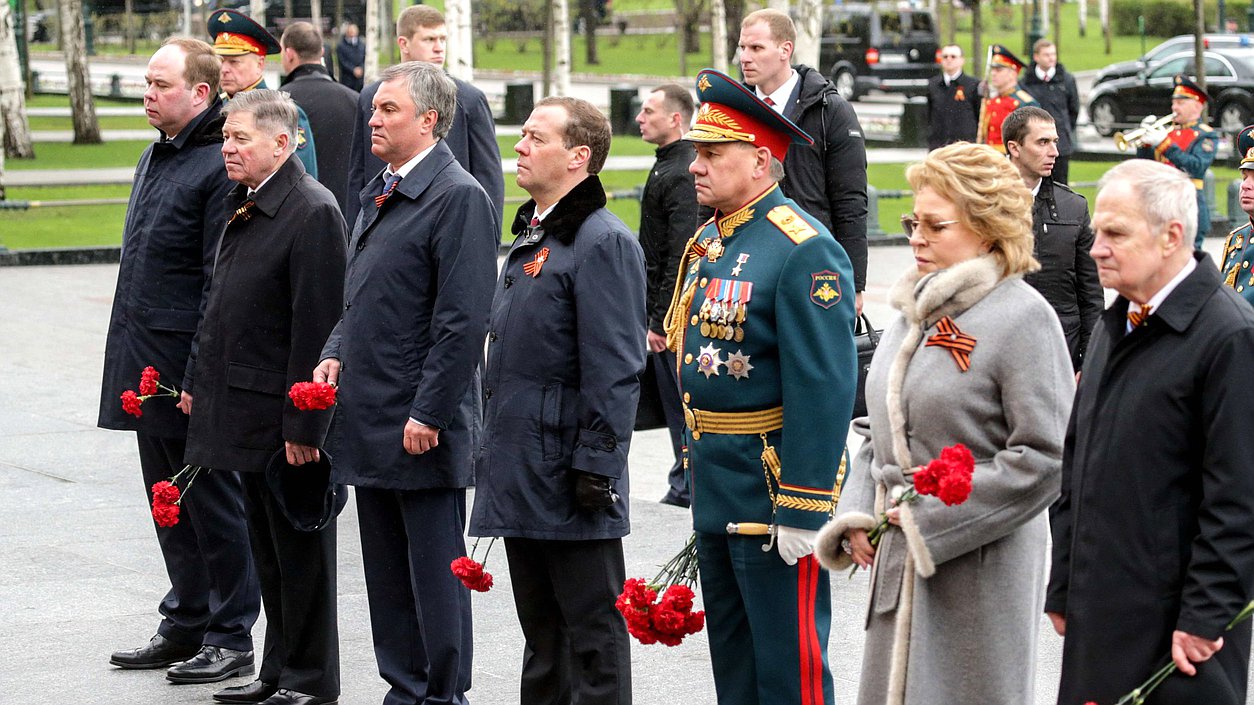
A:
(690, 420)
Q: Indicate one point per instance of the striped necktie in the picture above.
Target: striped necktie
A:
(389, 185)
(1137, 318)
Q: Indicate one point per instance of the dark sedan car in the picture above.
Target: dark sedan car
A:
(1170, 47)
(1122, 103)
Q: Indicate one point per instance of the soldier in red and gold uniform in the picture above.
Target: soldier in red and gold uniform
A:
(1003, 96)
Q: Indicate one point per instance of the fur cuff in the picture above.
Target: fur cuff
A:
(827, 546)
(923, 564)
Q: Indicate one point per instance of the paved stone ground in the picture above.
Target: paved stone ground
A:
(82, 576)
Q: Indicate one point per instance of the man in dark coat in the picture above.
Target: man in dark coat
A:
(331, 107)
(172, 226)
(350, 55)
(277, 289)
(1054, 88)
(1152, 538)
(668, 219)
(953, 101)
(421, 36)
(827, 179)
(1060, 223)
(560, 395)
(418, 288)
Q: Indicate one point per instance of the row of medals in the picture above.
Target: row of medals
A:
(722, 320)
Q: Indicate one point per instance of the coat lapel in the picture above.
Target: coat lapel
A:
(410, 187)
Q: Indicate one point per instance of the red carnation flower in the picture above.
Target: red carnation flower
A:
(131, 404)
(166, 515)
(165, 492)
(312, 396)
(471, 573)
(148, 381)
(954, 488)
(925, 480)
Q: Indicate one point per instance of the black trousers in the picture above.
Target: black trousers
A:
(576, 647)
(419, 611)
(297, 573)
(1062, 168)
(672, 407)
(213, 597)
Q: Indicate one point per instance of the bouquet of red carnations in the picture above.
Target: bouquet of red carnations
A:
(471, 572)
(149, 386)
(166, 497)
(669, 619)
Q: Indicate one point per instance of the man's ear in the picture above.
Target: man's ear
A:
(200, 93)
(283, 141)
(1173, 239)
(1012, 148)
(582, 155)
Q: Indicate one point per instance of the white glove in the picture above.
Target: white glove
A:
(1154, 137)
(794, 543)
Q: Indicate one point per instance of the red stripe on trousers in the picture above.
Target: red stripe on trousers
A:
(807, 636)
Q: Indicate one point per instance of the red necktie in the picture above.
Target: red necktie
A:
(768, 101)
(1137, 318)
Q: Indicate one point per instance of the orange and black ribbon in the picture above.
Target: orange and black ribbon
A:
(243, 211)
(950, 337)
(393, 180)
(532, 268)
(1136, 318)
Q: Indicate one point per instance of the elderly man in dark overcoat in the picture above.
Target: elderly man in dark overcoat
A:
(276, 293)
(564, 352)
(1152, 535)
(173, 221)
(421, 35)
(418, 288)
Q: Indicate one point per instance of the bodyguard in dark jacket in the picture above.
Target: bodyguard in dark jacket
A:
(276, 293)
(416, 299)
(1054, 88)
(172, 225)
(1060, 223)
(350, 56)
(828, 178)
(560, 393)
(1153, 547)
(953, 102)
(331, 107)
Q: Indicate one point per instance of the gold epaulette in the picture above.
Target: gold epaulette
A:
(791, 223)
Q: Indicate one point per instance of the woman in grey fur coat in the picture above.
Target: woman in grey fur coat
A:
(957, 591)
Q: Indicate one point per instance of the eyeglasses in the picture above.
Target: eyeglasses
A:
(909, 223)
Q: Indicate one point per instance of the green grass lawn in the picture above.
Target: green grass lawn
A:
(64, 155)
(107, 122)
(60, 101)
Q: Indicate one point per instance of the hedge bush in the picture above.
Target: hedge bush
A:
(1167, 18)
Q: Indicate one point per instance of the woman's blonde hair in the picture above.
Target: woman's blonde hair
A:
(989, 195)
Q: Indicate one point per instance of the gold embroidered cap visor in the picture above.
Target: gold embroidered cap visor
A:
(731, 112)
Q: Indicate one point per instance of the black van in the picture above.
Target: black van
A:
(882, 48)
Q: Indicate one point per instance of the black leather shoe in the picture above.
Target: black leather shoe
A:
(211, 665)
(291, 697)
(159, 652)
(254, 692)
(675, 500)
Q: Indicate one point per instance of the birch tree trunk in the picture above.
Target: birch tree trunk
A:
(1103, 15)
(590, 20)
(718, 30)
(809, 22)
(1044, 20)
(468, 38)
(315, 13)
(561, 47)
(257, 11)
(14, 129)
(128, 29)
(82, 103)
(977, 30)
(458, 61)
(1084, 18)
(374, 23)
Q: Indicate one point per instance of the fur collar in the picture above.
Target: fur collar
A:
(925, 299)
(572, 209)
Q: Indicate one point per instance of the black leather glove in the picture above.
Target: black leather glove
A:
(594, 491)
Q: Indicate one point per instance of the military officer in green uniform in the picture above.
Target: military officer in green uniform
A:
(1237, 263)
(1189, 145)
(761, 322)
(243, 45)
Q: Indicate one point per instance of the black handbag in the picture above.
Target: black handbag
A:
(866, 338)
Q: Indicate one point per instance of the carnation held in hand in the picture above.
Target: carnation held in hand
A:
(149, 386)
(471, 572)
(166, 497)
(670, 619)
(312, 396)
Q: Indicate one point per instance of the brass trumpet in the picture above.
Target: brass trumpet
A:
(1123, 140)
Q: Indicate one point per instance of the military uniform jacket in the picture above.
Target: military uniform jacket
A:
(276, 293)
(953, 111)
(1191, 149)
(763, 318)
(1152, 530)
(996, 110)
(416, 297)
(1238, 257)
(565, 349)
(306, 151)
(173, 221)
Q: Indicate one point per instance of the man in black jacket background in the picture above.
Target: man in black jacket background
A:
(827, 179)
(668, 218)
(350, 55)
(953, 101)
(1054, 88)
(1060, 223)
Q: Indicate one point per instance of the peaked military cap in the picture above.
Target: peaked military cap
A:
(1184, 87)
(236, 34)
(1245, 147)
(1001, 56)
(732, 112)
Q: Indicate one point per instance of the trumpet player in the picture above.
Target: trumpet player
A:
(1002, 95)
(1237, 263)
(1187, 143)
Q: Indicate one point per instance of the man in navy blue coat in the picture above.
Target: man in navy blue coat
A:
(173, 221)
(421, 36)
(422, 260)
(350, 54)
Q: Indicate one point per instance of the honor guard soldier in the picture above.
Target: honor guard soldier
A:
(243, 45)
(1188, 146)
(1237, 262)
(761, 322)
(1004, 96)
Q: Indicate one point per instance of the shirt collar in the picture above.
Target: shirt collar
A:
(951, 77)
(1045, 75)
(253, 191)
(1157, 299)
(781, 95)
(409, 165)
(541, 216)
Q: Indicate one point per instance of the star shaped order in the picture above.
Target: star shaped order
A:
(738, 365)
(709, 362)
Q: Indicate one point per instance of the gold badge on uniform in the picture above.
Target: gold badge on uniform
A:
(825, 288)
